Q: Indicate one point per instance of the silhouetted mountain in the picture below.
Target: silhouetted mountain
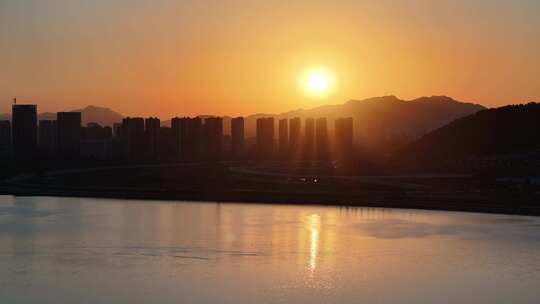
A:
(377, 121)
(381, 119)
(103, 116)
(41, 116)
(501, 131)
(226, 122)
(47, 116)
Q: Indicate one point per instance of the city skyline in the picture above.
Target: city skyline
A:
(29, 140)
(167, 117)
(428, 114)
(150, 58)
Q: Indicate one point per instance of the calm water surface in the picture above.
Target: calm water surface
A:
(67, 250)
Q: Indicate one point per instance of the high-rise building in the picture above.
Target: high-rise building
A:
(24, 132)
(117, 141)
(309, 139)
(237, 137)
(107, 132)
(132, 135)
(176, 134)
(68, 125)
(295, 137)
(344, 138)
(5, 132)
(47, 138)
(322, 147)
(97, 142)
(265, 138)
(167, 144)
(116, 129)
(95, 131)
(151, 130)
(283, 130)
(213, 137)
(5, 137)
(191, 138)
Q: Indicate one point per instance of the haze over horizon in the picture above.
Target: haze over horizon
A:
(162, 57)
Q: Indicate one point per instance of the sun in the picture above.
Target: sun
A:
(317, 82)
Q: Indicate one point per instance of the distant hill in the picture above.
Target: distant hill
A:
(380, 119)
(47, 116)
(377, 120)
(103, 116)
(504, 130)
(41, 116)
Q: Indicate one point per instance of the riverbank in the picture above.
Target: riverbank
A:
(201, 182)
(427, 200)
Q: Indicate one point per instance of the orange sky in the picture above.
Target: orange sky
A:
(166, 58)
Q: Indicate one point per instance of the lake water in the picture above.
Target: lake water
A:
(68, 250)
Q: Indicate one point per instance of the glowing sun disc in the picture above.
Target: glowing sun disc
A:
(317, 82)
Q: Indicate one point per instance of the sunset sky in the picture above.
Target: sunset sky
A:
(165, 58)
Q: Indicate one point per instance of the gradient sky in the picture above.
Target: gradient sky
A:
(165, 58)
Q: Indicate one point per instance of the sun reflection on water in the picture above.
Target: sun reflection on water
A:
(314, 224)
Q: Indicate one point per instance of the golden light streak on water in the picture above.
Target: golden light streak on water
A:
(314, 224)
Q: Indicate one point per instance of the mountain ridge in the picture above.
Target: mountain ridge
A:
(498, 131)
(376, 119)
(102, 115)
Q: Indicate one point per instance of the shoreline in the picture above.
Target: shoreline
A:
(370, 199)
